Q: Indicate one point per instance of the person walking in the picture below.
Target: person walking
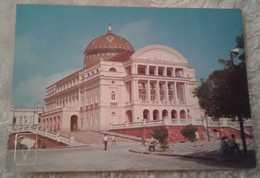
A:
(105, 140)
(143, 141)
(113, 140)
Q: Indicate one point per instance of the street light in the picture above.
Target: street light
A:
(36, 106)
(207, 126)
(233, 53)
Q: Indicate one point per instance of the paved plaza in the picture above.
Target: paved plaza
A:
(129, 154)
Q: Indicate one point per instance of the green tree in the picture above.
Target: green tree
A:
(225, 92)
(189, 132)
(161, 134)
(240, 45)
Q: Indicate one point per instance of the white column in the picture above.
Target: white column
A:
(175, 92)
(148, 91)
(166, 91)
(84, 120)
(134, 69)
(130, 90)
(186, 92)
(134, 89)
(158, 91)
(147, 70)
(79, 97)
(165, 71)
(156, 71)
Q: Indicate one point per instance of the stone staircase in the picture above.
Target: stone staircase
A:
(93, 137)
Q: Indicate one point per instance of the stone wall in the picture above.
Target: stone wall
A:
(174, 132)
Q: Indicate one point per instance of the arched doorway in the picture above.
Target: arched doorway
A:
(113, 118)
(74, 123)
(164, 114)
(129, 116)
(155, 114)
(183, 114)
(174, 114)
(146, 114)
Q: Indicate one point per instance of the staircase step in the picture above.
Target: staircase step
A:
(92, 137)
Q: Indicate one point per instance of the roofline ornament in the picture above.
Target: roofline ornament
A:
(109, 28)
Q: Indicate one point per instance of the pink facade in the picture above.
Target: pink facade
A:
(118, 85)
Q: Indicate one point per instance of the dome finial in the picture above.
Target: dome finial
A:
(109, 28)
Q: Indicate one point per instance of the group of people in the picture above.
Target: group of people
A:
(153, 143)
(226, 145)
(105, 140)
(229, 145)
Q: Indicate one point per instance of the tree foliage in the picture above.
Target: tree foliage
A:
(161, 134)
(240, 44)
(189, 132)
(225, 92)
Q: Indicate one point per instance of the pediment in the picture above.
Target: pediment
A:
(159, 53)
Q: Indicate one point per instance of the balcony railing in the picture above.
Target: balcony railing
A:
(183, 122)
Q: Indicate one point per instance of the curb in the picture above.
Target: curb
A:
(67, 147)
(188, 156)
(168, 154)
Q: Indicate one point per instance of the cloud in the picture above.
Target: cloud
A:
(33, 88)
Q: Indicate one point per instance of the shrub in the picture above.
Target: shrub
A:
(161, 134)
(189, 132)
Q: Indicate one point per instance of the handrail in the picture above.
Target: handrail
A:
(45, 133)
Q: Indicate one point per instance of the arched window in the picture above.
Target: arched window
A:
(146, 115)
(113, 95)
(164, 114)
(113, 114)
(14, 120)
(155, 114)
(182, 114)
(112, 69)
(174, 114)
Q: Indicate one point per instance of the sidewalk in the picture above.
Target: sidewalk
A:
(202, 150)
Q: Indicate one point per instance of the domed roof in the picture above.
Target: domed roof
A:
(105, 47)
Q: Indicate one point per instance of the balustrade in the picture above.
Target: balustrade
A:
(172, 122)
(52, 135)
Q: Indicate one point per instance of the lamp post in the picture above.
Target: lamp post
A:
(207, 125)
(234, 53)
(35, 107)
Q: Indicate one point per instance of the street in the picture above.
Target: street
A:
(116, 158)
